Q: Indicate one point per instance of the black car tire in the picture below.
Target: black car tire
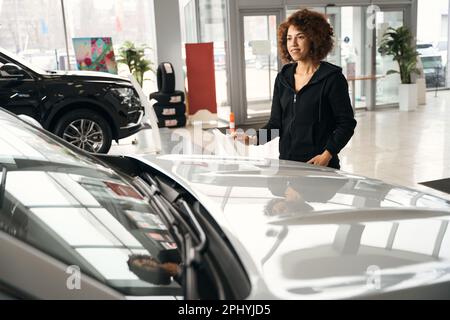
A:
(169, 110)
(166, 77)
(172, 122)
(168, 98)
(98, 121)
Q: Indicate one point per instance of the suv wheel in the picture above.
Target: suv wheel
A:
(86, 130)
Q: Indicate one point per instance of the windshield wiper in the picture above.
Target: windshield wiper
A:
(3, 186)
(167, 198)
(200, 248)
(184, 225)
(156, 200)
(172, 217)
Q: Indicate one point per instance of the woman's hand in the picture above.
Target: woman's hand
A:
(322, 160)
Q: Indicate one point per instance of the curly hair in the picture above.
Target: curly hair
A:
(316, 28)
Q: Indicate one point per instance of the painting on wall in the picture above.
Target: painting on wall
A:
(95, 54)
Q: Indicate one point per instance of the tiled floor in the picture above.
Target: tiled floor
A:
(403, 148)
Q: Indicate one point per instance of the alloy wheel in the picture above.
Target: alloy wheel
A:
(85, 134)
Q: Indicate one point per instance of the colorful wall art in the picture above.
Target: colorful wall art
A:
(95, 54)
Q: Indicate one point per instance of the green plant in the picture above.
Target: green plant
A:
(134, 57)
(398, 43)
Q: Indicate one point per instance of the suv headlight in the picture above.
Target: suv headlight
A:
(127, 96)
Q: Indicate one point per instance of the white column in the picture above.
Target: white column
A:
(448, 51)
(66, 39)
(168, 37)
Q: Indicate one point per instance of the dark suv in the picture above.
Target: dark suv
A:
(87, 109)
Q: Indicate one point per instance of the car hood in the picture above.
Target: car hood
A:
(305, 232)
(87, 75)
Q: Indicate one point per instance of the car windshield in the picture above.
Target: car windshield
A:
(23, 62)
(80, 212)
(431, 62)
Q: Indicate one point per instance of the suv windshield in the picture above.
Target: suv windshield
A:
(79, 211)
(21, 61)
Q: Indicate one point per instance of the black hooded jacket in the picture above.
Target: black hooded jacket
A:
(317, 118)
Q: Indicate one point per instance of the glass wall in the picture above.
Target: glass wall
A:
(205, 21)
(212, 17)
(34, 28)
(261, 62)
(188, 21)
(122, 20)
(432, 41)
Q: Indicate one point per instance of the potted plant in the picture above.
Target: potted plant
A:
(398, 44)
(134, 57)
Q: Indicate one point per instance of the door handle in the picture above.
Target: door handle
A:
(20, 95)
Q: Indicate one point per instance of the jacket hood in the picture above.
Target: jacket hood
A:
(325, 70)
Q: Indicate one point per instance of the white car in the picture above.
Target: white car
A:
(79, 226)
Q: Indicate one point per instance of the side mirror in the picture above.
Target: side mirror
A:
(10, 70)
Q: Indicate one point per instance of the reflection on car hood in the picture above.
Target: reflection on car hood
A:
(306, 232)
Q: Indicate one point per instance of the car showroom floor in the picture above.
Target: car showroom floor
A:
(404, 148)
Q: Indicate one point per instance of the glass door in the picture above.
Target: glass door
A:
(348, 23)
(349, 52)
(387, 87)
(356, 51)
(260, 61)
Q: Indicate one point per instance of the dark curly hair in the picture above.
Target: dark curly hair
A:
(316, 28)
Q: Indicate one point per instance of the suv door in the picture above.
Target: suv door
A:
(19, 93)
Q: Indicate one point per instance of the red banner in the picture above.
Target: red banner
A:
(201, 77)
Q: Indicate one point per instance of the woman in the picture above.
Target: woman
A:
(311, 104)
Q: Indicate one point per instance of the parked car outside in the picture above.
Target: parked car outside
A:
(87, 109)
(433, 66)
(435, 72)
(207, 227)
